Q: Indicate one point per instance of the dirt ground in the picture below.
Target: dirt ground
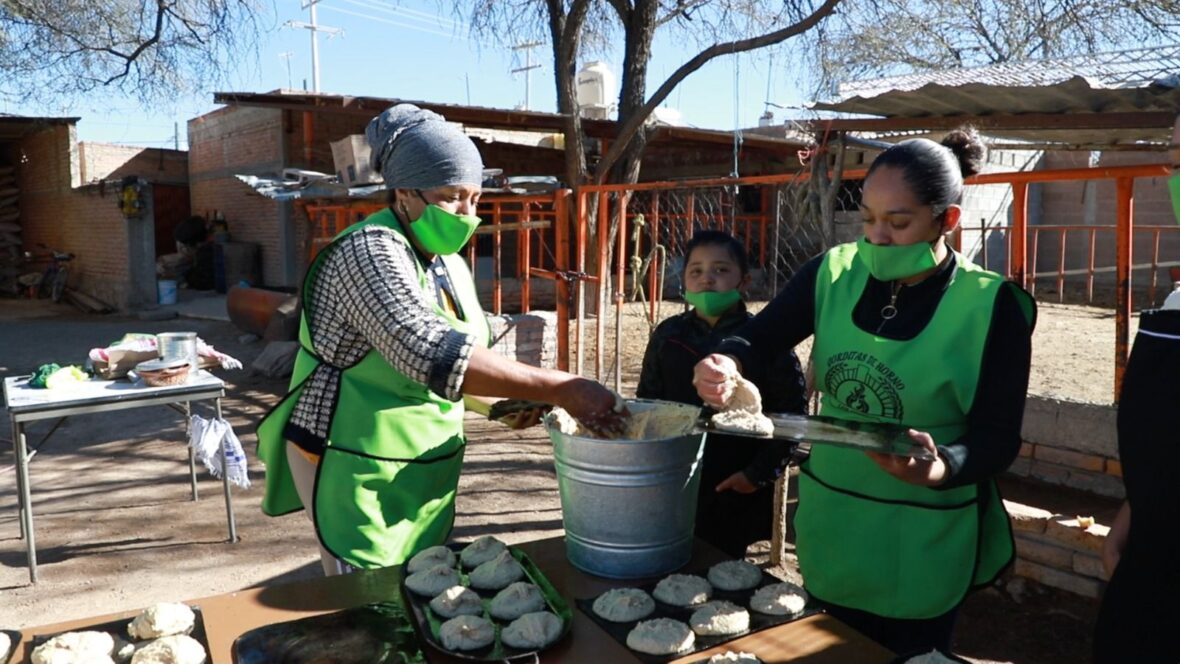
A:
(116, 529)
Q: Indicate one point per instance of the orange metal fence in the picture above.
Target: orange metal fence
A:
(780, 238)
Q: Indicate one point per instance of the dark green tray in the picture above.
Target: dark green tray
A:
(429, 622)
(378, 633)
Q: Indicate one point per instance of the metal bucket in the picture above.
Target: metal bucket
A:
(178, 346)
(629, 506)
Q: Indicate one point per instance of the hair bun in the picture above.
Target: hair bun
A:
(967, 147)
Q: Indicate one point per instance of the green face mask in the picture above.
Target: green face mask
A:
(441, 232)
(712, 303)
(889, 262)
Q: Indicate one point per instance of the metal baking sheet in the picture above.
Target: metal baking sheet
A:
(14, 638)
(429, 622)
(758, 621)
(377, 633)
(119, 629)
(819, 430)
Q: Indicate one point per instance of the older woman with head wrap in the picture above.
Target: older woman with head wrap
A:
(370, 437)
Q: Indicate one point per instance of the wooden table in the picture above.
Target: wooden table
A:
(818, 639)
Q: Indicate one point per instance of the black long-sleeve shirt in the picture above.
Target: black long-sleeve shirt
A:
(992, 439)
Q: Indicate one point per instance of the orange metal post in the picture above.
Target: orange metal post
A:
(497, 264)
(523, 250)
(581, 221)
(603, 272)
(1017, 269)
(1155, 259)
(1031, 275)
(561, 221)
(620, 288)
(1124, 230)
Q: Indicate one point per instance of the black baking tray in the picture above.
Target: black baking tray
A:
(119, 629)
(377, 633)
(758, 621)
(13, 636)
(429, 622)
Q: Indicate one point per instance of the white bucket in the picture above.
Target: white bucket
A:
(167, 291)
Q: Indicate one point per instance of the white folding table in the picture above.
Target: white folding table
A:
(27, 404)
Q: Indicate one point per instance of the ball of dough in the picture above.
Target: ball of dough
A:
(779, 599)
(720, 618)
(731, 657)
(466, 633)
(735, 575)
(432, 581)
(175, 649)
(497, 572)
(516, 600)
(683, 590)
(457, 601)
(429, 557)
(624, 605)
(164, 619)
(532, 631)
(661, 636)
(480, 551)
(86, 646)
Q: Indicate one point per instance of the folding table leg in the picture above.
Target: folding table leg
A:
(192, 453)
(20, 509)
(229, 504)
(26, 501)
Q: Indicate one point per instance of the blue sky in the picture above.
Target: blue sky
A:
(410, 50)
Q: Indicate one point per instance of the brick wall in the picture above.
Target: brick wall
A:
(84, 222)
(107, 161)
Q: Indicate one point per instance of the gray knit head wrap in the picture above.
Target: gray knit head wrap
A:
(416, 149)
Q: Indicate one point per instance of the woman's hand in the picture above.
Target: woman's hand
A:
(737, 482)
(1116, 540)
(711, 376)
(922, 472)
(596, 408)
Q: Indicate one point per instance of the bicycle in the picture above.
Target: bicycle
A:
(52, 281)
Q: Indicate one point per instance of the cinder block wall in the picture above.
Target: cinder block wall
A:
(1071, 444)
(530, 338)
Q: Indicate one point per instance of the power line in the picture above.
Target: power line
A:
(388, 21)
(410, 15)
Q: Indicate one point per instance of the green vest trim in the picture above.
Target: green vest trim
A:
(386, 483)
(867, 540)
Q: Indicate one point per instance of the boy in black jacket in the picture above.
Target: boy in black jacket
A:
(736, 505)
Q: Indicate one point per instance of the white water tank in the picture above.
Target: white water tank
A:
(595, 89)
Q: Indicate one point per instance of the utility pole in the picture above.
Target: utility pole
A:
(315, 29)
(286, 56)
(527, 47)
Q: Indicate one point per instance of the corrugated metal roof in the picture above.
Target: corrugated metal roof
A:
(1124, 100)
(1134, 68)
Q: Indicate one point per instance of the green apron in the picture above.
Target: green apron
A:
(866, 539)
(386, 482)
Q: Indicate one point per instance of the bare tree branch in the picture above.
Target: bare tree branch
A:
(636, 120)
